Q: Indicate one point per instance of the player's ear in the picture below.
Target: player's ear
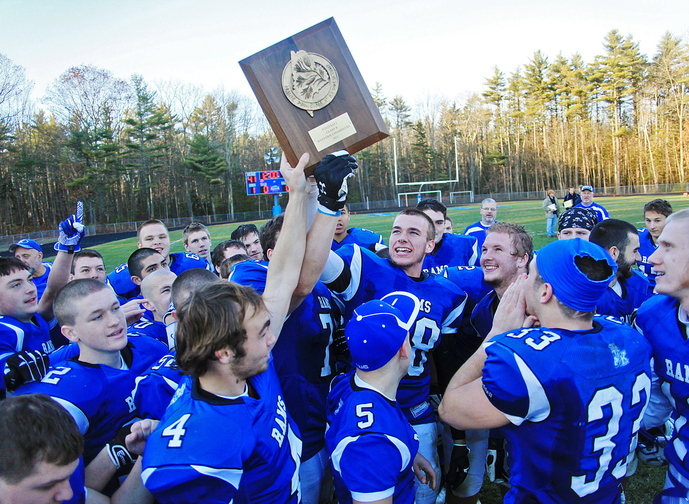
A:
(224, 356)
(430, 245)
(523, 261)
(136, 280)
(545, 293)
(614, 252)
(405, 352)
(269, 254)
(148, 305)
(69, 333)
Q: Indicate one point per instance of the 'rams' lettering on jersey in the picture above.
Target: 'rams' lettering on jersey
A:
(281, 420)
(677, 370)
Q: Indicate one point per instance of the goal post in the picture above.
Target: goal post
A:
(416, 197)
(461, 197)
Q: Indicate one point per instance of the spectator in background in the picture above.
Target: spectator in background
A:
(489, 215)
(551, 208)
(655, 213)
(587, 202)
(571, 199)
(576, 222)
(30, 253)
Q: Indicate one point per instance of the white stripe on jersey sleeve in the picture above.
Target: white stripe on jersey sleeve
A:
(20, 337)
(337, 452)
(454, 314)
(336, 455)
(231, 476)
(373, 496)
(474, 255)
(539, 406)
(403, 449)
(79, 417)
(333, 268)
(355, 273)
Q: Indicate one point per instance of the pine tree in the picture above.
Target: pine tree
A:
(144, 139)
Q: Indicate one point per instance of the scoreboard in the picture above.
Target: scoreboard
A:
(265, 182)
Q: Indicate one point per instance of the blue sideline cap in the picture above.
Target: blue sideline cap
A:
(587, 187)
(27, 244)
(556, 265)
(377, 329)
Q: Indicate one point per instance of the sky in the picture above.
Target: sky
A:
(413, 48)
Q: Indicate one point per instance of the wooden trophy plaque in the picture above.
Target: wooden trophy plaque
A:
(313, 95)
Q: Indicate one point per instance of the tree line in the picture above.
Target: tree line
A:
(134, 151)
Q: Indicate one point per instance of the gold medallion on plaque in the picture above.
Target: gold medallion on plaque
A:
(309, 81)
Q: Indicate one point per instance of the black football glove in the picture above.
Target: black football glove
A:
(459, 466)
(122, 458)
(331, 176)
(25, 367)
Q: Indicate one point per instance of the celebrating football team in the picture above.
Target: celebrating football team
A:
(307, 361)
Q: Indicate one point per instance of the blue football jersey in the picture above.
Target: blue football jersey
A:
(302, 355)
(362, 237)
(149, 327)
(601, 212)
(574, 400)
(442, 303)
(658, 319)
(156, 386)
(121, 282)
(212, 449)
(16, 336)
(478, 231)
(635, 290)
(470, 280)
(454, 250)
(370, 442)
(41, 282)
(646, 248)
(179, 262)
(99, 397)
(483, 314)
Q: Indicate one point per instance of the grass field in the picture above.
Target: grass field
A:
(648, 480)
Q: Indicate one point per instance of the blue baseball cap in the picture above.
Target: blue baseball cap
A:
(556, 263)
(378, 328)
(587, 187)
(27, 244)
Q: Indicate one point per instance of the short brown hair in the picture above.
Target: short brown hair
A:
(211, 320)
(150, 222)
(521, 239)
(34, 429)
(269, 233)
(67, 301)
(85, 253)
(193, 227)
(9, 265)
